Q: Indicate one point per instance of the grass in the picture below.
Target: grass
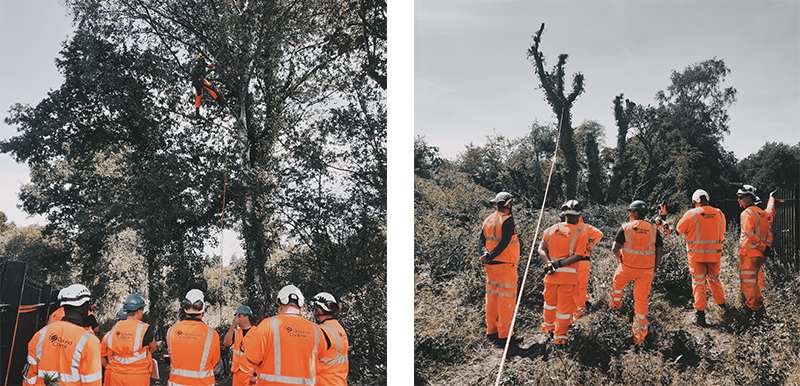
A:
(450, 347)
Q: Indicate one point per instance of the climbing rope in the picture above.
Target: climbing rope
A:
(530, 256)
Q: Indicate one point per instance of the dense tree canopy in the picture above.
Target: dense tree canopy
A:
(297, 149)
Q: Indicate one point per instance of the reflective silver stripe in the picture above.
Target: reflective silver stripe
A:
(334, 361)
(276, 344)
(289, 380)
(549, 307)
(110, 340)
(699, 282)
(549, 324)
(748, 272)
(704, 250)
(42, 334)
(506, 295)
(32, 361)
(237, 352)
(339, 358)
(206, 350)
(132, 359)
(698, 276)
(92, 377)
(491, 283)
(619, 291)
(191, 374)
(506, 285)
(640, 316)
(617, 299)
(560, 337)
(574, 239)
(567, 270)
(749, 280)
(563, 316)
(488, 291)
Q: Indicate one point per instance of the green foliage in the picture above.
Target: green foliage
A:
(49, 254)
(775, 165)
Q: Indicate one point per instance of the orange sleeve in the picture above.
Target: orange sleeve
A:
(683, 224)
(30, 374)
(580, 243)
(594, 235)
(253, 349)
(90, 368)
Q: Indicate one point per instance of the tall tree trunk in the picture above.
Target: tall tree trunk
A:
(622, 117)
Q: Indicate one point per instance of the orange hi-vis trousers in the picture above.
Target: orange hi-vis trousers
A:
(642, 279)
(705, 272)
(581, 296)
(501, 296)
(749, 278)
(557, 319)
(199, 85)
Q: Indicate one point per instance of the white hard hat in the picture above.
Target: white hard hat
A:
(74, 295)
(700, 193)
(572, 207)
(291, 293)
(194, 302)
(748, 189)
(326, 301)
(502, 198)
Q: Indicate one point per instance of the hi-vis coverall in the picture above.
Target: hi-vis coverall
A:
(581, 297)
(240, 378)
(333, 362)
(64, 349)
(129, 358)
(194, 349)
(285, 350)
(754, 239)
(704, 228)
(561, 240)
(499, 238)
(639, 240)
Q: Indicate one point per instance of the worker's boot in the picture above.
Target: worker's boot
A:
(700, 318)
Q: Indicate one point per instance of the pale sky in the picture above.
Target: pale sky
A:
(472, 76)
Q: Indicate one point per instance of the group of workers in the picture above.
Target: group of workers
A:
(566, 247)
(285, 349)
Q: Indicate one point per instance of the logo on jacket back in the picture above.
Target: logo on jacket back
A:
(641, 231)
(124, 335)
(709, 215)
(56, 341)
(188, 336)
(294, 333)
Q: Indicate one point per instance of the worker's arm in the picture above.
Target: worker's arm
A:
(231, 331)
(544, 250)
(616, 249)
(659, 253)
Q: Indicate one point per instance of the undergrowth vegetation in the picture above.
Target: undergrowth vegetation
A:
(449, 329)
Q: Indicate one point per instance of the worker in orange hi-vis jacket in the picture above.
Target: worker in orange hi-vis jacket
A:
(584, 267)
(334, 364)
(193, 346)
(704, 228)
(242, 324)
(128, 347)
(638, 247)
(65, 350)
(563, 246)
(755, 243)
(284, 349)
(500, 246)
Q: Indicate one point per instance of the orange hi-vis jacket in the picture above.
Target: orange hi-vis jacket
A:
(194, 349)
(285, 349)
(704, 228)
(756, 235)
(493, 232)
(639, 250)
(123, 346)
(594, 235)
(333, 363)
(237, 349)
(64, 350)
(564, 239)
